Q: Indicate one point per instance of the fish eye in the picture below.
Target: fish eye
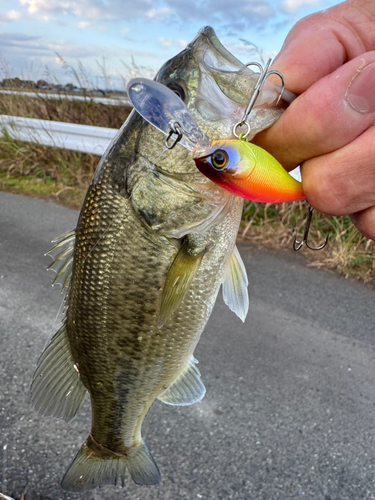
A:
(219, 159)
(177, 89)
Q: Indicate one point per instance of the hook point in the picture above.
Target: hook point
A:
(297, 245)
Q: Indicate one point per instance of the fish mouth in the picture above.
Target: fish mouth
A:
(212, 52)
(225, 87)
(205, 48)
(234, 78)
(217, 87)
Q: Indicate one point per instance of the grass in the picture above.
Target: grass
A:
(46, 172)
(63, 110)
(64, 176)
(347, 252)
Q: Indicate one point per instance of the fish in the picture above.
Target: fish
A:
(154, 242)
(238, 166)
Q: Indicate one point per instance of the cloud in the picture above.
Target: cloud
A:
(85, 9)
(16, 39)
(290, 6)
(14, 14)
(83, 25)
(246, 12)
(168, 42)
(11, 15)
(241, 49)
(101, 10)
(38, 45)
(159, 14)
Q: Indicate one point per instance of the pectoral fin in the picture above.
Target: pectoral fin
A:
(187, 389)
(178, 280)
(235, 284)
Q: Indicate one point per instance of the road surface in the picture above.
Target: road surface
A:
(289, 409)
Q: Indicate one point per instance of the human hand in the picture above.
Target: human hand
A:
(328, 60)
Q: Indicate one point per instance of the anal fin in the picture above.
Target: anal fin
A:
(178, 280)
(57, 389)
(187, 389)
(235, 285)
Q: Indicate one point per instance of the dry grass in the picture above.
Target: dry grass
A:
(348, 252)
(63, 110)
(43, 171)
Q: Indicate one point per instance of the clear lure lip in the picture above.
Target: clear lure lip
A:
(163, 109)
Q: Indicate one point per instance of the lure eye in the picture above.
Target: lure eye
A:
(219, 159)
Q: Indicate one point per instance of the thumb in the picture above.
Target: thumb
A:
(322, 42)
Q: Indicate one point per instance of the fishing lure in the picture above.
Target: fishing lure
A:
(236, 165)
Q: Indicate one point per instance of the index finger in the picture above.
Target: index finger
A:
(320, 43)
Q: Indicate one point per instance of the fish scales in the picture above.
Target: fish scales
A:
(154, 241)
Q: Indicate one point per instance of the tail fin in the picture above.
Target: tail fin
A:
(95, 467)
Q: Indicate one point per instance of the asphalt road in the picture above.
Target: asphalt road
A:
(289, 409)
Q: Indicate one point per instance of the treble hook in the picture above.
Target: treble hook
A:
(175, 130)
(297, 245)
(263, 75)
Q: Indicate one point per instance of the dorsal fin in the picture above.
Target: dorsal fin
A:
(62, 254)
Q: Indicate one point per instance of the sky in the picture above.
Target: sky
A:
(106, 42)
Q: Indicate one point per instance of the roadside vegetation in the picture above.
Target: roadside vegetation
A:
(45, 172)
(64, 176)
(37, 170)
(347, 251)
(62, 110)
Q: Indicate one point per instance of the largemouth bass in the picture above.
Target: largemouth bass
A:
(155, 240)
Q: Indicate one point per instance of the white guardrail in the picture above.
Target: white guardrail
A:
(83, 138)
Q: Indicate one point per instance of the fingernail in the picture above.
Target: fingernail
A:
(361, 91)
